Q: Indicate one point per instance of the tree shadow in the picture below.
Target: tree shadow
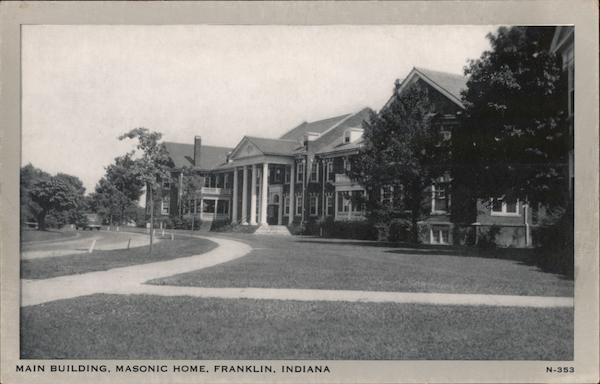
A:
(522, 256)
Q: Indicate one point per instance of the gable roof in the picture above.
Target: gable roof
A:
(448, 84)
(341, 147)
(320, 126)
(332, 143)
(267, 146)
(182, 155)
(274, 146)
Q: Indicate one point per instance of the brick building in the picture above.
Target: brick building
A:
(301, 176)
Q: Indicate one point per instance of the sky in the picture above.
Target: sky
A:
(83, 86)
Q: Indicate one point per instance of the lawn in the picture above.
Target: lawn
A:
(320, 264)
(150, 327)
(47, 267)
(32, 235)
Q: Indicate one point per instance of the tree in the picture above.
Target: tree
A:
(513, 142)
(119, 190)
(401, 149)
(29, 176)
(109, 201)
(192, 181)
(151, 167)
(56, 195)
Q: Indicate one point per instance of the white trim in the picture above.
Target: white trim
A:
(438, 211)
(314, 164)
(165, 205)
(298, 198)
(313, 198)
(443, 228)
(408, 81)
(298, 177)
(503, 212)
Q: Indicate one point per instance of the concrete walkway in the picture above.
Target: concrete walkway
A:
(80, 244)
(351, 296)
(126, 279)
(130, 280)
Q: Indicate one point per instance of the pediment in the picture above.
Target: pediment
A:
(245, 149)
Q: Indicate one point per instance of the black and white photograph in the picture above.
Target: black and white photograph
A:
(296, 195)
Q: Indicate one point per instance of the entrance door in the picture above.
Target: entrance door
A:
(273, 209)
(272, 214)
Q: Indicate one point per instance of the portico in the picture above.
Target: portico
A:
(258, 181)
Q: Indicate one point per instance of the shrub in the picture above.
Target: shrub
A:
(360, 230)
(399, 230)
(554, 242)
(487, 240)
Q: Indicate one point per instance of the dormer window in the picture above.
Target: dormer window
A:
(346, 137)
(351, 135)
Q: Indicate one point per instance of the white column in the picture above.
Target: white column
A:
(253, 196)
(264, 192)
(234, 213)
(280, 210)
(292, 197)
(244, 215)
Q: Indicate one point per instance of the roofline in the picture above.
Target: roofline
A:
(436, 86)
(440, 88)
(210, 146)
(340, 122)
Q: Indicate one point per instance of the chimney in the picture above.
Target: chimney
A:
(197, 148)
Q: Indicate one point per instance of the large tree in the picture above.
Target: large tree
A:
(401, 149)
(118, 192)
(513, 142)
(152, 165)
(29, 176)
(55, 195)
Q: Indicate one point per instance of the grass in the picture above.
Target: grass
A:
(32, 235)
(322, 264)
(150, 327)
(48, 267)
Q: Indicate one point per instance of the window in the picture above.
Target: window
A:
(286, 205)
(226, 182)
(223, 207)
(440, 234)
(166, 185)
(165, 205)
(439, 200)
(347, 165)
(314, 172)
(329, 204)
(343, 202)
(347, 136)
(355, 202)
(277, 176)
(313, 205)
(286, 176)
(298, 205)
(300, 172)
(387, 195)
(500, 207)
(445, 132)
(208, 206)
(207, 181)
(330, 172)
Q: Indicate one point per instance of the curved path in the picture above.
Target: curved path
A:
(126, 279)
(130, 280)
(81, 242)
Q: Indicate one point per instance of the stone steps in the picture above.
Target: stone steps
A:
(279, 230)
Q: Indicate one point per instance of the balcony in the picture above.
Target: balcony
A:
(215, 191)
(343, 179)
